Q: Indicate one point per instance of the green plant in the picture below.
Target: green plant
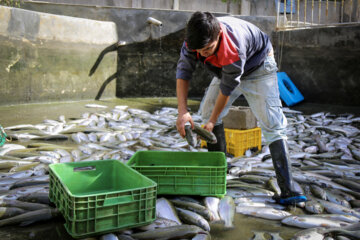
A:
(10, 3)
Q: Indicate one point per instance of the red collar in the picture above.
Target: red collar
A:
(226, 53)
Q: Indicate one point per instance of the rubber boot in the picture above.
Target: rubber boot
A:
(281, 161)
(220, 146)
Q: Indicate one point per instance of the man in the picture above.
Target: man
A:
(241, 58)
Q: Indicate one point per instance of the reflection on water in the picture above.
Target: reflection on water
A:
(246, 225)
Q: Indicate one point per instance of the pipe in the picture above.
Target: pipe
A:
(154, 21)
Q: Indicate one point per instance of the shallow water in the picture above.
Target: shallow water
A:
(36, 113)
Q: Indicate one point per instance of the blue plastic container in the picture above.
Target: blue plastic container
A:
(288, 91)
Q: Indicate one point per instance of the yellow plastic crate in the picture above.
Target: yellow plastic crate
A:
(238, 141)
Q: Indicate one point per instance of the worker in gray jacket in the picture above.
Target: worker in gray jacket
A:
(240, 56)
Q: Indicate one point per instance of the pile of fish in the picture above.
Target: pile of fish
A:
(324, 149)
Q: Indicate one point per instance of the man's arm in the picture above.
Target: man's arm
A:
(221, 102)
(182, 88)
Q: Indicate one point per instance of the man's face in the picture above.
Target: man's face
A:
(209, 49)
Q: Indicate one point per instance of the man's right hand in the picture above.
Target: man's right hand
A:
(181, 120)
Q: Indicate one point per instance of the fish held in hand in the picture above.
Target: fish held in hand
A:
(205, 134)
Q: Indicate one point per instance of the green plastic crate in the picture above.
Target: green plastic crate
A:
(96, 197)
(183, 173)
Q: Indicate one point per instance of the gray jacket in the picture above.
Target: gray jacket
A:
(243, 48)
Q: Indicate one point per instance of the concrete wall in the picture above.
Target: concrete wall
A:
(149, 57)
(131, 24)
(45, 57)
(323, 63)
(187, 5)
(146, 64)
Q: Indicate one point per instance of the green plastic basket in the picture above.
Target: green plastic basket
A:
(183, 173)
(96, 197)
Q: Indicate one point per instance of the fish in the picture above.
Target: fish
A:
(30, 217)
(255, 199)
(23, 205)
(316, 233)
(335, 198)
(339, 217)
(173, 232)
(275, 236)
(259, 235)
(338, 209)
(8, 212)
(261, 204)
(205, 134)
(263, 212)
(190, 136)
(312, 222)
(36, 180)
(165, 209)
(193, 218)
(318, 192)
(202, 236)
(314, 206)
(35, 197)
(95, 106)
(192, 206)
(109, 236)
(8, 147)
(123, 237)
(159, 223)
(227, 211)
(212, 203)
(349, 184)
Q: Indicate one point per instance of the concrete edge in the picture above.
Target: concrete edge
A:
(34, 26)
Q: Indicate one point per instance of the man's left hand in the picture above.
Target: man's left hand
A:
(209, 126)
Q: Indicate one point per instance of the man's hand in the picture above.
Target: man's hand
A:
(181, 120)
(209, 126)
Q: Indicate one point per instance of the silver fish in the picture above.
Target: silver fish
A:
(173, 232)
(212, 203)
(165, 209)
(227, 211)
(190, 136)
(192, 206)
(263, 212)
(310, 234)
(193, 218)
(159, 223)
(30, 217)
(311, 222)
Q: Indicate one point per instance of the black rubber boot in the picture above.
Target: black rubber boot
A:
(220, 146)
(281, 161)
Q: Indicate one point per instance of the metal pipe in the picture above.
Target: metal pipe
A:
(312, 12)
(319, 11)
(327, 10)
(154, 21)
(342, 10)
(285, 20)
(305, 9)
(351, 10)
(277, 14)
(298, 12)
(291, 10)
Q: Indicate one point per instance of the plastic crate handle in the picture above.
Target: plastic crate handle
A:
(118, 200)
